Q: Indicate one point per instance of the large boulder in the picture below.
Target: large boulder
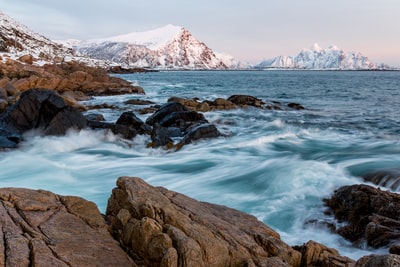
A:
(39, 228)
(41, 110)
(370, 214)
(176, 120)
(131, 120)
(164, 111)
(158, 227)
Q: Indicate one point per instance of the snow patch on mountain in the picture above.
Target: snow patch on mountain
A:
(168, 47)
(331, 58)
(153, 39)
(16, 39)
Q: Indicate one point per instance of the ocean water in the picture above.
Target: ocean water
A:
(276, 164)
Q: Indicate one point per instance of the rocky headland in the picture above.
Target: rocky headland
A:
(73, 80)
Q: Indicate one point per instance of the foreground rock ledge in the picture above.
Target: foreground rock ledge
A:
(39, 228)
(159, 227)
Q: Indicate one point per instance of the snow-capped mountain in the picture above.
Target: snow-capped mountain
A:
(331, 58)
(17, 39)
(169, 47)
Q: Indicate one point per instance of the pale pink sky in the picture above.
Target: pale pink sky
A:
(249, 30)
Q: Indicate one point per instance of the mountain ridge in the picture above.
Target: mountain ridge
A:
(317, 58)
(17, 39)
(168, 47)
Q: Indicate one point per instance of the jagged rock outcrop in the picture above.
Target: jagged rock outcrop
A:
(372, 215)
(158, 227)
(175, 120)
(39, 228)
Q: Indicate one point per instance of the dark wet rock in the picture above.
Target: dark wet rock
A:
(95, 117)
(372, 215)
(131, 120)
(161, 137)
(295, 106)
(102, 106)
(67, 118)
(316, 254)
(387, 178)
(36, 109)
(121, 70)
(395, 249)
(179, 119)
(158, 227)
(387, 260)
(164, 111)
(138, 102)
(201, 131)
(39, 228)
(175, 120)
(41, 110)
(246, 100)
(125, 132)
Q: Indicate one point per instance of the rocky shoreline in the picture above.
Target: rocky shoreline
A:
(152, 226)
(147, 226)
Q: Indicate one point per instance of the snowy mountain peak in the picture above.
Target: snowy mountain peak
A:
(152, 39)
(333, 47)
(168, 47)
(315, 47)
(331, 58)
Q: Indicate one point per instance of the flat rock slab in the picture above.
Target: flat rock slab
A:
(39, 228)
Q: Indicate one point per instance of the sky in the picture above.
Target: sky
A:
(250, 30)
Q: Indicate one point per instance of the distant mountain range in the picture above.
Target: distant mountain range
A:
(169, 47)
(316, 58)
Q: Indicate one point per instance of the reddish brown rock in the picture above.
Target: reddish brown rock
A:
(39, 228)
(64, 76)
(371, 214)
(388, 260)
(28, 59)
(315, 254)
(158, 227)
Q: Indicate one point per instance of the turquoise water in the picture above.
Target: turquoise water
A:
(277, 165)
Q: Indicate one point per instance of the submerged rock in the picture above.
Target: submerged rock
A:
(158, 227)
(39, 228)
(371, 214)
